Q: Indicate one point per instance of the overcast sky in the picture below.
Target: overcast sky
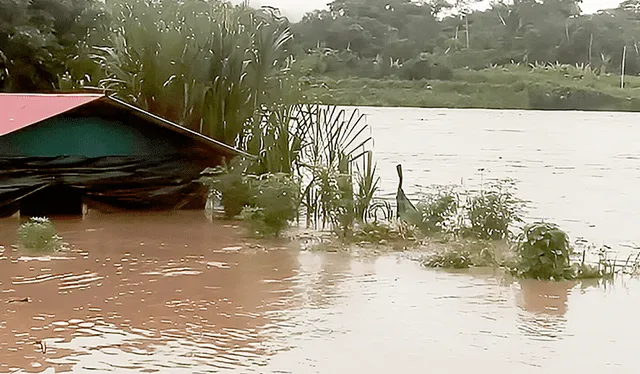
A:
(295, 9)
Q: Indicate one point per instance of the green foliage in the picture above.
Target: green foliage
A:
(39, 234)
(494, 210)
(465, 253)
(488, 214)
(225, 63)
(436, 210)
(37, 39)
(336, 141)
(425, 67)
(368, 184)
(231, 185)
(544, 252)
(374, 232)
(454, 258)
(275, 202)
(512, 86)
(384, 232)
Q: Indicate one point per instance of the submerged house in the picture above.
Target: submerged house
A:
(60, 152)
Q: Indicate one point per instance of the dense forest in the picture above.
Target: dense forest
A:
(373, 36)
(149, 51)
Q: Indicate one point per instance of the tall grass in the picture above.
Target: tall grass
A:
(225, 71)
(338, 142)
(207, 65)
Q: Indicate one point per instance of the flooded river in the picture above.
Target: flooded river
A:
(175, 293)
(579, 169)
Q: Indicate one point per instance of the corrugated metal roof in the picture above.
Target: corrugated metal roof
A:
(18, 111)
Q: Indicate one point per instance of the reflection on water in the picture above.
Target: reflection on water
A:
(175, 293)
(164, 290)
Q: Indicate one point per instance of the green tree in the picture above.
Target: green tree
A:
(38, 37)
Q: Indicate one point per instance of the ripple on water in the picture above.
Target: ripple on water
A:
(176, 293)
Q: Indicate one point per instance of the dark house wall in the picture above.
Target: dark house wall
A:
(102, 155)
(89, 137)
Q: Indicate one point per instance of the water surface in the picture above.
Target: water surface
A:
(579, 169)
(175, 293)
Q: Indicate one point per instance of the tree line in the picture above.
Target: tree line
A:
(378, 35)
(47, 45)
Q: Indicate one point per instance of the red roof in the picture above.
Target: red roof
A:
(18, 111)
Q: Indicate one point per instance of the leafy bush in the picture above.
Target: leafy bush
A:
(385, 232)
(546, 96)
(452, 258)
(39, 234)
(426, 67)
(374, 232)
(491, 213)
(462, 254)
(231, 185)
(275, 202)
(544, 252)
(436, 211)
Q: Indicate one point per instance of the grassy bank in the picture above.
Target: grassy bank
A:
(510, 87)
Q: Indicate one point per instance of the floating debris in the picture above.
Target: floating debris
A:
(22, 300)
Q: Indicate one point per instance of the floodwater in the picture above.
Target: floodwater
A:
(579, 169)
(175, 293)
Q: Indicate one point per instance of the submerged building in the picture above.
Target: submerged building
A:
(60, 152)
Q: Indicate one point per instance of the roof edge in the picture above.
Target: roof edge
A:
(181, 129)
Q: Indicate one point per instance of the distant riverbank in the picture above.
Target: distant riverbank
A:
(512, 87)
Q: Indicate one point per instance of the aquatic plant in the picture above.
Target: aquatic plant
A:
(464, 253)
(39, 234)
(375, 232)
(274, 203)
(491, 213)
(336, 141)
(367, 185)
(451, 258)
(544, 252)
(488, 214)
(605, 266)
(229, 182)
(436, 210)
(385, 232)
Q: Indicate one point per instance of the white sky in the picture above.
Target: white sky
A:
(295, 9)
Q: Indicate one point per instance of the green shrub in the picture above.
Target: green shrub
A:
(546, 96)
(491, 213)
(426, 67)
(435, 211)
(374, 232)
(464, 253)
(275, 199)
(39, 234)
(385, 232)
(544, 252)
(231, 185)
(451, 258)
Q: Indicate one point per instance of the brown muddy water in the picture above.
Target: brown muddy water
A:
(175, 293)
(579, 169)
